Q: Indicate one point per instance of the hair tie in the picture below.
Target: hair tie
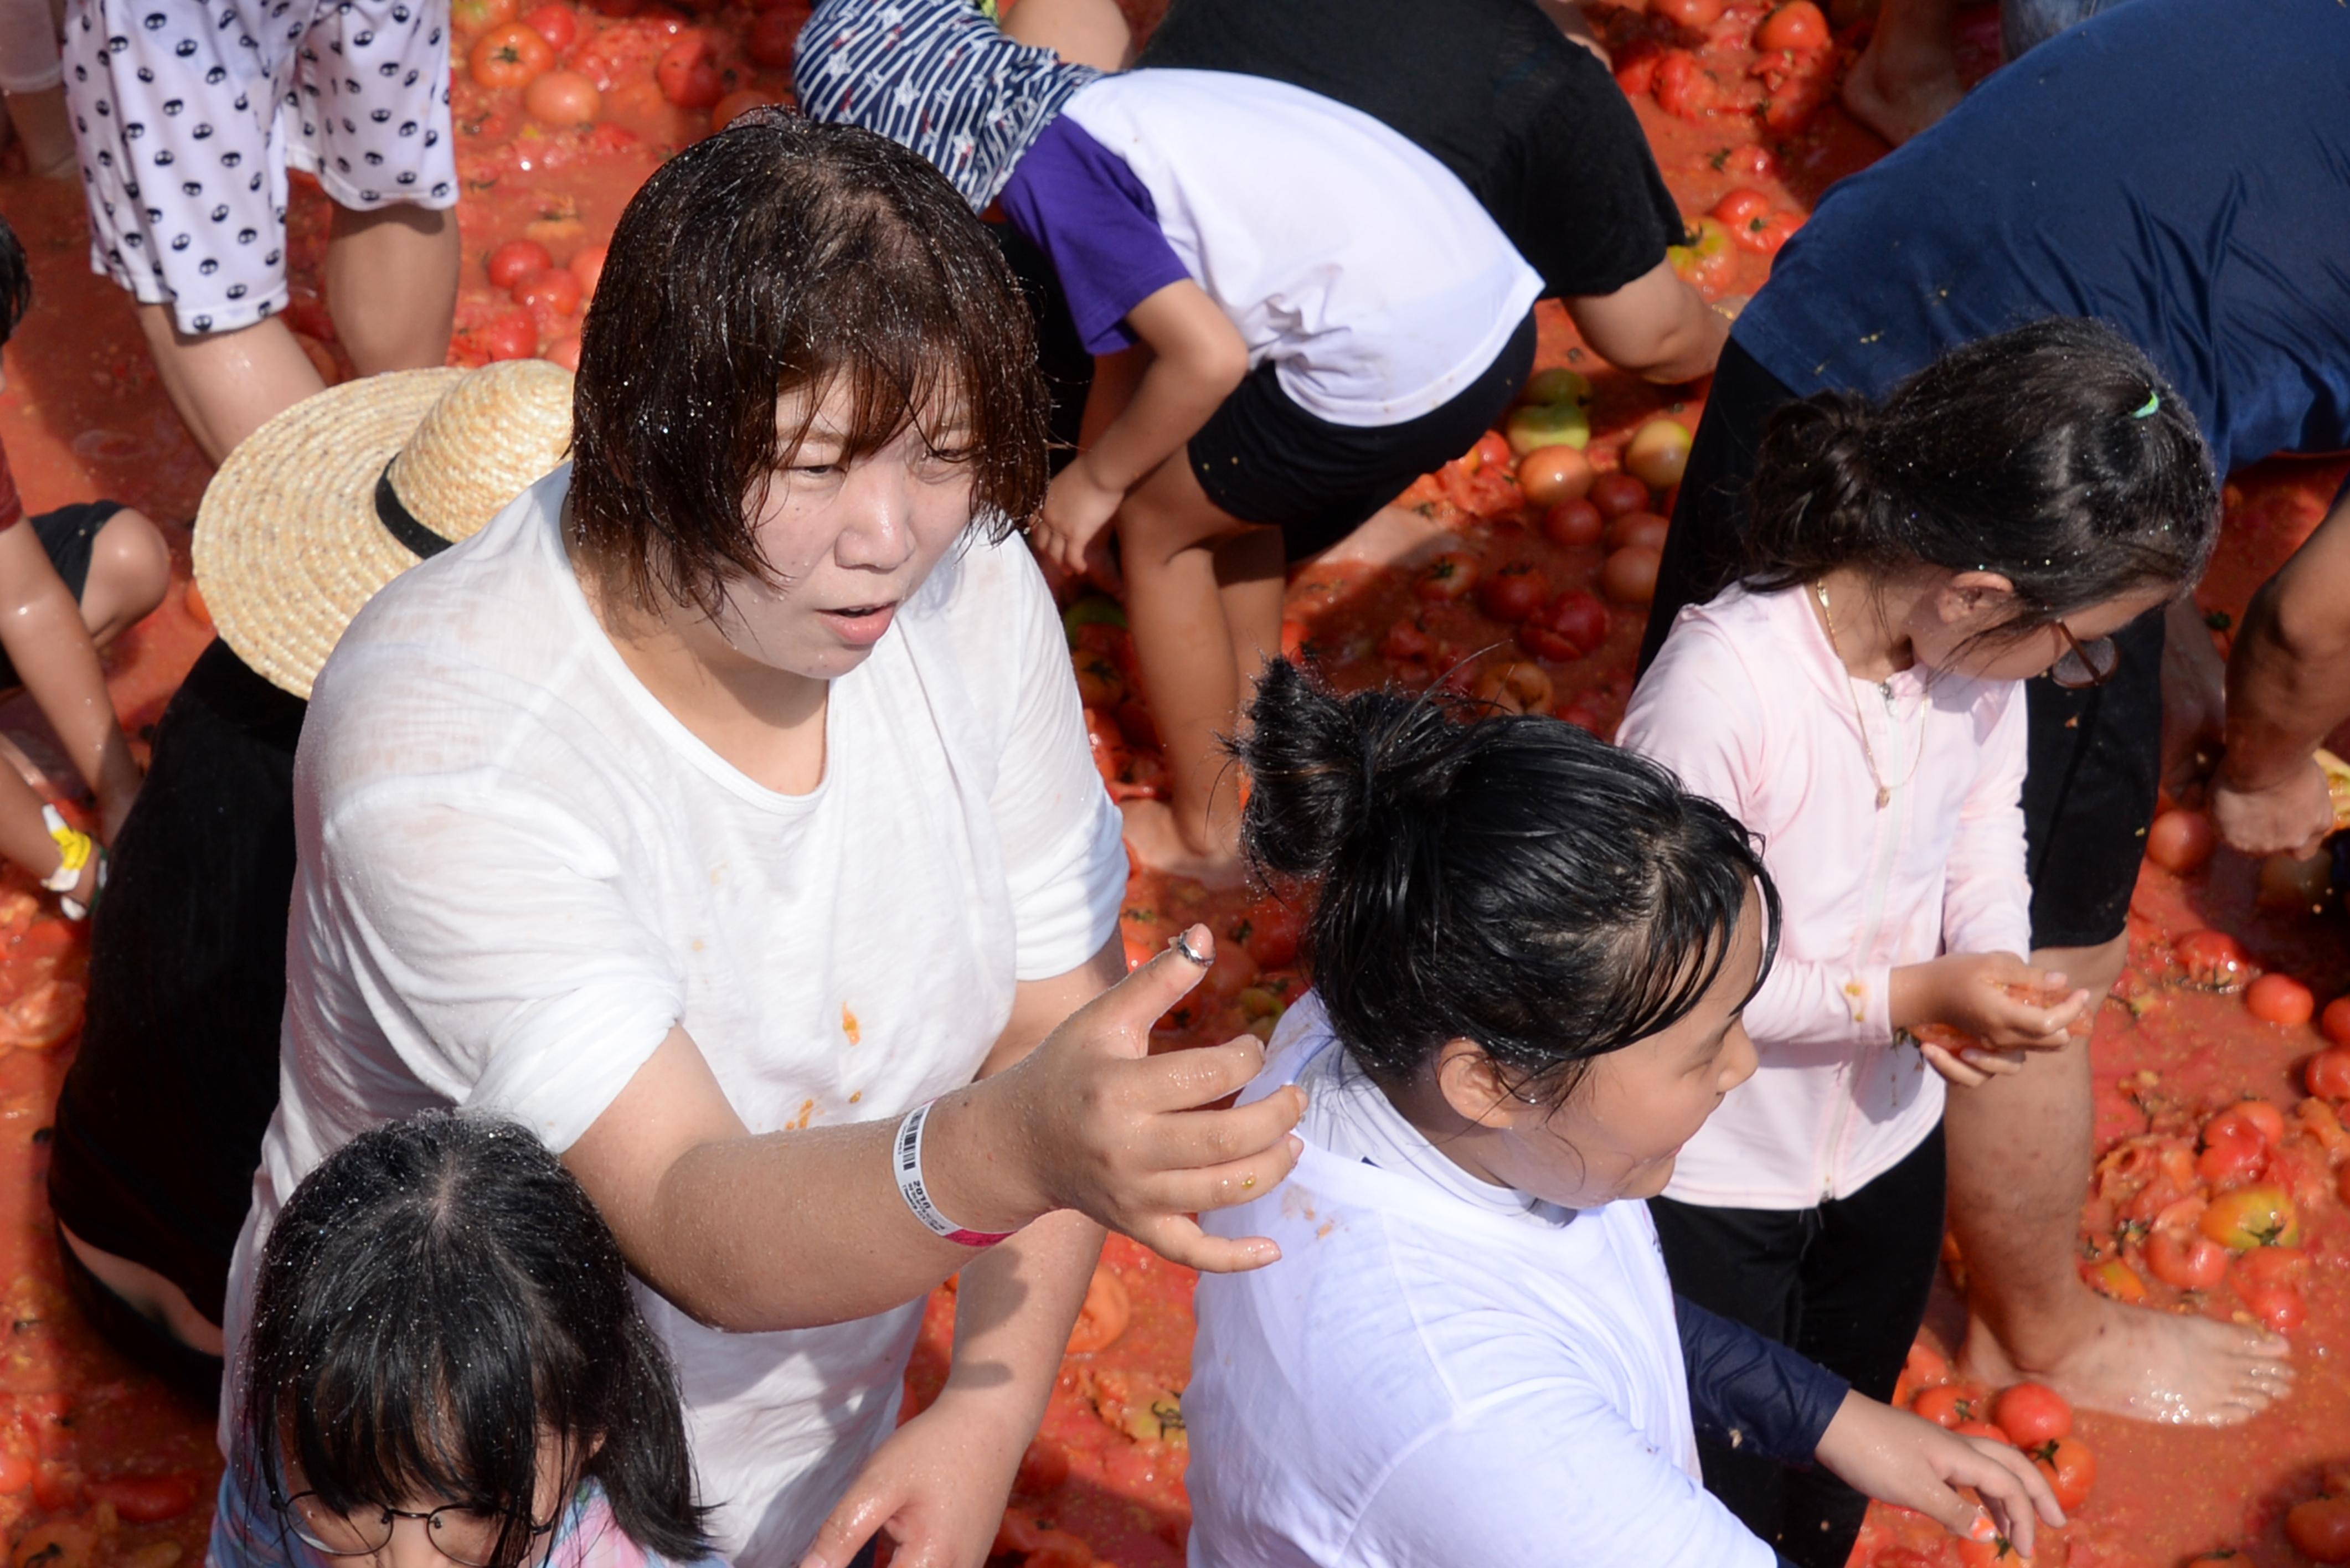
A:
(2148, 409)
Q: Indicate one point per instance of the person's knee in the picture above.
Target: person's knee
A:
(129, 572)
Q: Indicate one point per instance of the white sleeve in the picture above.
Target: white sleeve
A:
(483, 926)
(1987, 894)
(1064, 853)
(1546, 1474)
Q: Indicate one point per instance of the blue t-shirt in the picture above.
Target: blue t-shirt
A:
(2179, 169)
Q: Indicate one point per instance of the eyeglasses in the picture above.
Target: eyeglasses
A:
(2084, 664)
(463, 1535)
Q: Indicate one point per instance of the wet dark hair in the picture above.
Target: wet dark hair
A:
(16, 282)
(784, 256)
(437, 1293)
(2026, 454)
(1507, 879)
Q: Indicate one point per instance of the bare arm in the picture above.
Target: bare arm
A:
(41, 628)
(791, 1230)
(1196, 359)
(938, 1486)
(1657, 327)
(2288, 687)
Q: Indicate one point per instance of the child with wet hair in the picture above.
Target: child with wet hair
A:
(1858, 701)
(444, 1346)
(1531, 955)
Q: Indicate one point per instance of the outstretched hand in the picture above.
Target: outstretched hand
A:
(1121, 1135)
(1908, 1461)
(1073, 530)
(2000, 1000)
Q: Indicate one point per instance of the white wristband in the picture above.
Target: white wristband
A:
(906, 1161)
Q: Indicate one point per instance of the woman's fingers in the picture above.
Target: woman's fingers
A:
(1199, 1076)
(2011, 1488)
(1179, 1239)
(850, 1525)
(1957, 1069)
(1119, 1019)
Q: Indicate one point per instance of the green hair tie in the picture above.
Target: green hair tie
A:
(2148, 409)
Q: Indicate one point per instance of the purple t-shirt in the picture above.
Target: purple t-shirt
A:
(1079, 202)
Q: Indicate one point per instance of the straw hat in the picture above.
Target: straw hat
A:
(343, 492)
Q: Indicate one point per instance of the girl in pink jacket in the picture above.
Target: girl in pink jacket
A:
(1857, 700)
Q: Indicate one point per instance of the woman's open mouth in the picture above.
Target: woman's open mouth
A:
(860, 624)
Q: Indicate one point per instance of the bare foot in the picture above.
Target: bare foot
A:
(1899, 99)
(2148, 1366)
(1158, 843)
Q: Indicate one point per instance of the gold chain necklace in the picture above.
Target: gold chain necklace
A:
(1884, 790)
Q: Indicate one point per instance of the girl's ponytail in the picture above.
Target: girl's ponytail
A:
(2055, 454)
(1507, 879)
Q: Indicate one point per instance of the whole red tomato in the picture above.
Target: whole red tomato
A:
(2320, 1529)
(1643, 528)
(2069, 1468)
(556, 289)
(2233, 1152)
(1950, 1404)
(1514, 592)
(2261, 1215)
(1406, 641)
(2328, 1072)
(2179, 841)
(1751, 162)
(2213, 960)
(2273, 1266)
(1742, 206)
(513, 56)
(514, 335)
(1997, 1553)
(2281, 999)
(1775, 233)
(775, 37)
(688, 75)
(1685, 89)
(1616, 493)
(1574, 522)
(556, 23)
(562, 98)
(2336, 1021)
(2032, 1414)
(1569, 627)
(1798, 24)
(1629, 576)
(2278, 1306)
(515, 260)
(2186, 1259)
(1448, 577)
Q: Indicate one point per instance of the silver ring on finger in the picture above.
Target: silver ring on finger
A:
(1182, 944)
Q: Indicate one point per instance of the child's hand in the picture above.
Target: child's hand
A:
(1961, 1058)
(1908, 1461)
(1073, 530)
(1998, 998)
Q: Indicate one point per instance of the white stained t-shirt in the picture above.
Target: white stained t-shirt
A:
(1356, 262)
(1436, 1375)
(519, 871)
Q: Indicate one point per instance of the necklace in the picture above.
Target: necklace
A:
(1883, 791)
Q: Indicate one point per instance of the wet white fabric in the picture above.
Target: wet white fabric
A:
(1355, 262)
(519, 871)
(187, 115)
(1424, 1380)
(28, 46)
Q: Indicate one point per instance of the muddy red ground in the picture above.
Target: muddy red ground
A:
(84, 416)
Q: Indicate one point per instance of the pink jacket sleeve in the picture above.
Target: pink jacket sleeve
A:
(1986, 894)
(1700, 712)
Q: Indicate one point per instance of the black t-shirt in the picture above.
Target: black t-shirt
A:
(1533, 124)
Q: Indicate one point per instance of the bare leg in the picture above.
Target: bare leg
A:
(226, 385)
(2020, 1156)
(48, 134)
(1174, 542)
(1082, 32)
(391, 286)
(151, 1296)
(129, 571)
(1908, 78)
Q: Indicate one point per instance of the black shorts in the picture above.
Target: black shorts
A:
(68, 536)
(2096, 755)
(1845, 1283)
(1267, 460)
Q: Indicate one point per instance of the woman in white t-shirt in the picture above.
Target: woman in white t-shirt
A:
(1530, 952)
(723, 811)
